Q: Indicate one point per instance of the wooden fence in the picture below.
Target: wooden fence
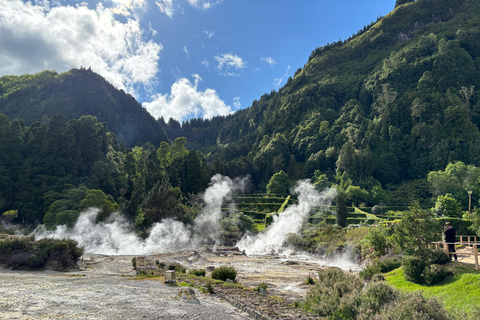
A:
(472, 241)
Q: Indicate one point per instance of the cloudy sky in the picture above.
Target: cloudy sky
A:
(179, 58)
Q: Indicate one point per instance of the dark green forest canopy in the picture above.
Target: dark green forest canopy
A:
(76, 93)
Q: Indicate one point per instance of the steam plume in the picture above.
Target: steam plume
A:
(116, 236)
(289, 221)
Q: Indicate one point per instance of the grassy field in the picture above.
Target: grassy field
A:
(458, 292)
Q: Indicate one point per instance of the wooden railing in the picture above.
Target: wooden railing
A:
(472, 241)
(10, 236)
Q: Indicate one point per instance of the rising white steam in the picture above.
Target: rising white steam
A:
(117, 237)
(221, 190)
(290, 221)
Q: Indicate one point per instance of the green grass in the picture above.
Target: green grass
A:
(260, 226)
(458, 292)
(368, 215)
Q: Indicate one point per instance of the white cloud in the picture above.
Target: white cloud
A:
(166, 6)
(185, 100)
(169, 7)
(229, 63)
(208, 34)
(269, 60)
(205, 63)
(126, 7)
(38, 37)
(236, 103)
(278, 81)
(186, 51)
(151, 30)
(203, 4)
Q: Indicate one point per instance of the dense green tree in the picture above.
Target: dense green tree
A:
(446, 206)
(416, 230)
(400, 2)
(341, 208)
(279, 183)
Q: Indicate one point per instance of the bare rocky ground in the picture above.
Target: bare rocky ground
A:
(104, 289)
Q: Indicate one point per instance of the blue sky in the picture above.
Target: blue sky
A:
(179, 58)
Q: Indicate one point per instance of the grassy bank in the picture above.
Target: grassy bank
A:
(458, 292)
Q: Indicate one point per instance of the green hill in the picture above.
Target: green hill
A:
(395, 101)
(76, 93)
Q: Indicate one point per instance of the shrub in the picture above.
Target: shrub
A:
(262, 285)
(424, 266)
(438, 257)
(434, 274)
(209, 287)
(376, 296)
(413, 268)
(310, 280)
(376, 210)
(415, 306)
(27, 253)
(331, 290)
(371, 270)
(177, 267)
(223, 273)
(134, 263)
(198, 272)
(388, 264)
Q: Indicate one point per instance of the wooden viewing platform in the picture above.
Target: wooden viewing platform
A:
(471, 249)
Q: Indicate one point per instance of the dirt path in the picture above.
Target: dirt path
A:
(465, 255)
(105, 289)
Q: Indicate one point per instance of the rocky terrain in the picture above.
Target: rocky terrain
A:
(107, 287)
(104, 288)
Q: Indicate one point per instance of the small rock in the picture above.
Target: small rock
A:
(229, 281)
(262, 291)
(210, 268)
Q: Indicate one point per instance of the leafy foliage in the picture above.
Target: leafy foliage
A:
(223, 273)
(279, 183)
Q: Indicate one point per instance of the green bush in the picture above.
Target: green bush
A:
(332, 289)
(25, 252)
(413, 268)
(415, 306)
(209, 287)
(371, 270)
(198, 272)
(388, 264)
(262, 285)
(383, 265)
(177, 267)
(434, 274)
(425, 266)
(310, 280)
(223, 273)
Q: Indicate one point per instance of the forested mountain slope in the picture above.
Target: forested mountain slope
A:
(76, 93)
(397, 100)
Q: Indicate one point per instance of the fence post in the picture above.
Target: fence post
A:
(461, 239)
(445, 247)
(475, 252)
(437, 245)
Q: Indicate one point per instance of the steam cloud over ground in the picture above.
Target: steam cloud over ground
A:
(117, 237)
(290, 221)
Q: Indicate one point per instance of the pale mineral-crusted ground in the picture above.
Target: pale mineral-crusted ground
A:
(104, 289)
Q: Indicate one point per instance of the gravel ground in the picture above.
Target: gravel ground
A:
(104, 289)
